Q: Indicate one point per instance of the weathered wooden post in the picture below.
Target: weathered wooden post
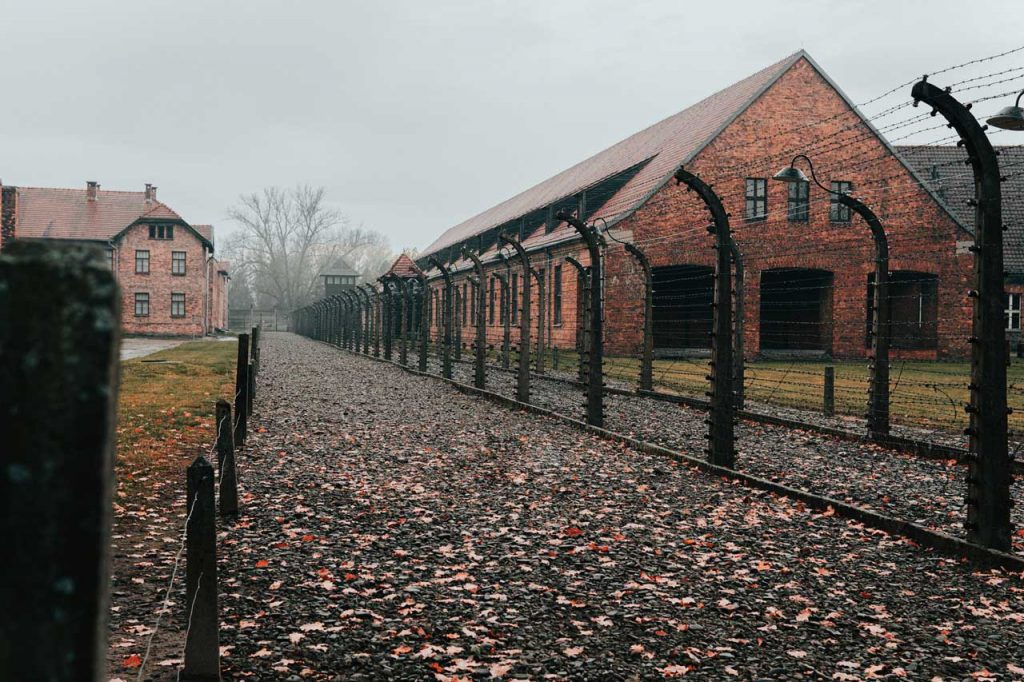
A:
(226, 461)
(202, 642)
(829, 398)
(59, 337)
(241, 388)
(256, 350)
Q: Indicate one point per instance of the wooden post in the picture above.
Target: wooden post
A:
(59, 335)
(241, 388)
(226, 461)
(202, 645)
(829, 399)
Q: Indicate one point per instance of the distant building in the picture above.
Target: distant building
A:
(808, 262)
(338, 277)
(170, 282)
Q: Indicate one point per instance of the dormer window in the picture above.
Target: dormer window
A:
(161, 231)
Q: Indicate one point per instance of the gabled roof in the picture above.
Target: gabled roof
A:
(649, 158)
(661, 148)
(339, 267)
(57, 213)
(945, 172)
(404, 267)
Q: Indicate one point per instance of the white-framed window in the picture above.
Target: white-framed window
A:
(1012, 312)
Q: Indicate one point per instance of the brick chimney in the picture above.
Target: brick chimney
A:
(150, 192)
(92, 188)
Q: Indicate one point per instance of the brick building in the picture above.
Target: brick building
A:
(171, 284)
(808, 263)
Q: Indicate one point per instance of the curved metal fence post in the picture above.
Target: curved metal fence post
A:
(424, 335)
(480, 351)
(523, 365)
(403, 324)
(582, 315)
(647, 348)
(539, 353)
(458, 305)
(385, 316)
(738, 379)
(881, 329)
(722, 449)
(506, 320)
(446, 319)
(595, 373)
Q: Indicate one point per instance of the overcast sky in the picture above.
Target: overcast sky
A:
(414, 115)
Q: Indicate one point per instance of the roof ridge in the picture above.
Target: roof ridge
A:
(79, 189)
(675, 135)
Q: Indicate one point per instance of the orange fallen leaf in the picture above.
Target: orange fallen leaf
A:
(573, 531)
(262, 563)
(133, 661)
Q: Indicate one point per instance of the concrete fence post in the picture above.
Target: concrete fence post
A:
(59, 307)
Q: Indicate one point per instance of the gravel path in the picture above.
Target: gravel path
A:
(396, 529)
(928, 492)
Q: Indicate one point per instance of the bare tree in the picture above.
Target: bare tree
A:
(286, 238)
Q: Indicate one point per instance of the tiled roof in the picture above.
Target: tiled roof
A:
(57, 213)
(50, 213)
(340, 267)
(944, 169)
(663, 146)
(404, 267)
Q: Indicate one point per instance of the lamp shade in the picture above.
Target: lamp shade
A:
(790, 174)
(1008, 118)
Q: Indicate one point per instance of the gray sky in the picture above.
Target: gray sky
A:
(413, 115)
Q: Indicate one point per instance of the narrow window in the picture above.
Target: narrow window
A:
(798, 201)
(757, 198)
(515, 297)
(110, 258)
(141, 305)
(177, 305)
(177, 262)
(1013, 312)
(152, 231)
(556, 294)
(838, 213)
(142, 262)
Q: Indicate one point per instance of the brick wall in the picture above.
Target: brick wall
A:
(922, 237)
(160, 283)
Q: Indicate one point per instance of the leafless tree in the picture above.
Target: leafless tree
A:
(287, 237)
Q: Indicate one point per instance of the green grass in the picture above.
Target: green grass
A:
(166, 405)
(926, 394)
